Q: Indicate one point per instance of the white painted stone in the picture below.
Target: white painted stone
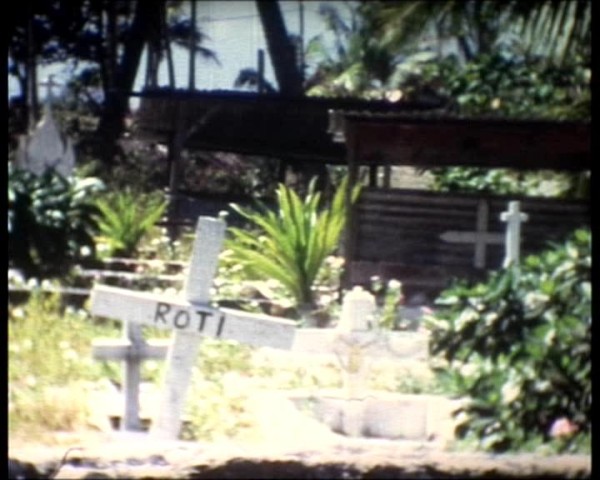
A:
(358, 310)
(46, 148)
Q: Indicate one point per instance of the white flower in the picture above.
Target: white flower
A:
(534, 300)
(510, 392)
(468, 369)
(466, 316)
(15, 276)
(490, 318)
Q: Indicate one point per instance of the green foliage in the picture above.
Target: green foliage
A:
(519, 346)
(51, 221)
(291, 244)
(48, 348)
(126, 217)
(507, 85)
(391, 299)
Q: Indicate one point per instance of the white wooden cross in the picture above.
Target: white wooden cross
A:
(513, 218)
(191, 318)
(480, 237)
(131, 349)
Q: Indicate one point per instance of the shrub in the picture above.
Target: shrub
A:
(50, 221)
(126, 217)
(519, 346)
(291, 244)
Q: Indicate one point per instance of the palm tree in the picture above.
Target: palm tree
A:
(553, 29)
(281, 49)
(353, 60)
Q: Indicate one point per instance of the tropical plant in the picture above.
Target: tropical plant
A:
(349, 59)
(556, 30)
(125, 218)
(108, 40)
(51, 221)
(519, 347)
(291, 244)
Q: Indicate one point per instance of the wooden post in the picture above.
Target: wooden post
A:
(350, 231)
(192, 46)
(175, 149)
(261, 71)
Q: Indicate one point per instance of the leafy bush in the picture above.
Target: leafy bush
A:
(126, 217)
(50, 221)
(291, 244)
(519, 346)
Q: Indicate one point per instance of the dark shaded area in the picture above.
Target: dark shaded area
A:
(289, 128)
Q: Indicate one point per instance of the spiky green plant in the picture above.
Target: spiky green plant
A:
(126, 217)
(293, 240)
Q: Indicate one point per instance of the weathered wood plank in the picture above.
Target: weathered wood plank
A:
(170, 312)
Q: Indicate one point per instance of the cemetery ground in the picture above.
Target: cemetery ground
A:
(235, 421)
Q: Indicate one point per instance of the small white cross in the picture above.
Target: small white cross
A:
(49, 83)
(513, 218)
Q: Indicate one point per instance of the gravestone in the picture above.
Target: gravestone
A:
(191, 318)
(46, 147)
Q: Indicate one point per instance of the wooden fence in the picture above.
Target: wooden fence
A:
(426, 238)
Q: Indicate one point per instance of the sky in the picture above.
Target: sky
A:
(235, 34)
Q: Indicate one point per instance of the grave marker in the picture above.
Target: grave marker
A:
(45, 147)
(191, 318)
(481, 237)
(513, 218)
(131, 349)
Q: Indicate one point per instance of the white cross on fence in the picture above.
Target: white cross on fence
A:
(513, 218)
(191, 318)
(481, 237)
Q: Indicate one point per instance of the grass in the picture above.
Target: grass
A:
(52, 375)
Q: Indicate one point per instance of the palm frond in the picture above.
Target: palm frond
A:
(291, 244)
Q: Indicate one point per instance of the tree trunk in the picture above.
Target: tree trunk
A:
(112, 121)
(167, 44)
(281, 49)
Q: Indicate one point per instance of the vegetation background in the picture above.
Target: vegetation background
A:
(502, 59)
